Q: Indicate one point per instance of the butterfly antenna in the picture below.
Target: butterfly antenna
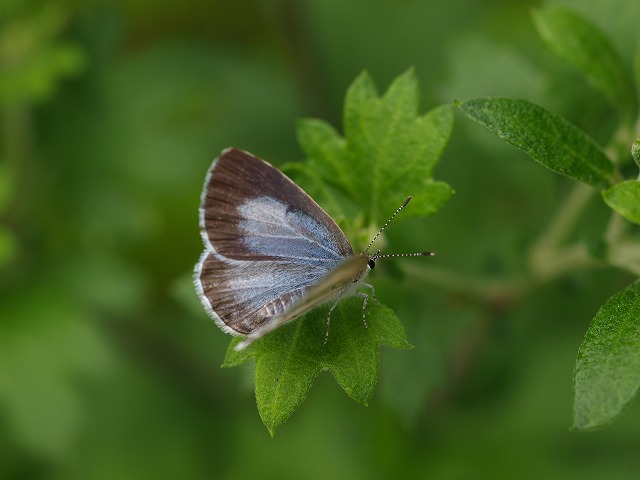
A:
(385, 226)
(417, 254)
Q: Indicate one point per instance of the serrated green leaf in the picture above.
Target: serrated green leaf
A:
(624, 198)
(388, 151)
(290, 358)
(548, 138)
(581, 44)
(607, 372)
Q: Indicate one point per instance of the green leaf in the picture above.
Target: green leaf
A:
(289, 359)
(321, 142)
(388, 152)
(607, 373)
(624, 198)
(581, 44)
(635, 152)
(548, 138)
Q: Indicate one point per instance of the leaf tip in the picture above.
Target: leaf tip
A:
(635, 148)
(583, 424)
(233, 357)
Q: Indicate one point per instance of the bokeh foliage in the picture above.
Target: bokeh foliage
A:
(111, 113)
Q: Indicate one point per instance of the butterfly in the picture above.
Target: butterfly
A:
(271, 252)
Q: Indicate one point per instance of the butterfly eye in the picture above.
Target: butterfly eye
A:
(372, 264)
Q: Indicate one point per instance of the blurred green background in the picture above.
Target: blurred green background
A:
(111, 113)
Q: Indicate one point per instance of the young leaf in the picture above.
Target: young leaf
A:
(548, 138)
(388, 152)
(624, 198)
(607, 372)
(584, 46)
(289, 358)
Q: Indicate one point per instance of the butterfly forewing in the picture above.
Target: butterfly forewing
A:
(250, 209)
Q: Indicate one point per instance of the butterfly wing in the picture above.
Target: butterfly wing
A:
(242, 296)
(267, 242)
(340, 282)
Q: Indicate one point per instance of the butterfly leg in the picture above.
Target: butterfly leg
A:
(365, 301)
(373, 291)
(326, 335)
(364, 307)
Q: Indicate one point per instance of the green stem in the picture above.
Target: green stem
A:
(548, 259)
(564, 218)
(624, 250)
(506, 291)
(481, 289)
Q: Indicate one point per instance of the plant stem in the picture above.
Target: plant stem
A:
(547, 259)
(624, 251)
(482, 289)
(543, 252)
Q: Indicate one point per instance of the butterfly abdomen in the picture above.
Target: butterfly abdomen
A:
(279, 305)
